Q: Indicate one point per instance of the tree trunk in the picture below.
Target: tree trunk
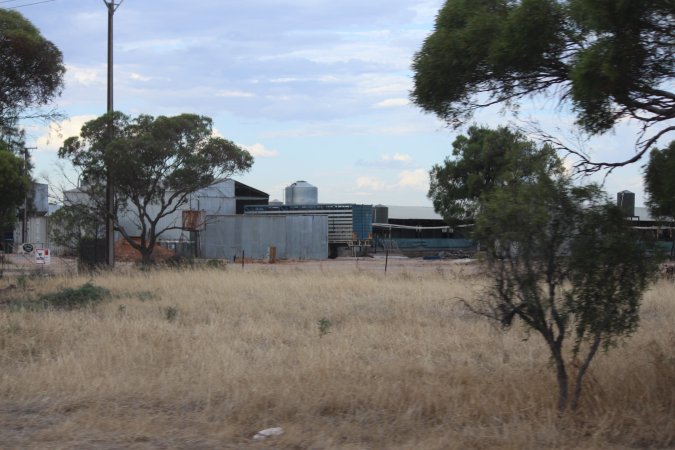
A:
(582, 370)
(146, 256)
(561, 374)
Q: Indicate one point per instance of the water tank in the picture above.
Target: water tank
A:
(276, 202)
(380, 214)
(302, 193)
(626, 201)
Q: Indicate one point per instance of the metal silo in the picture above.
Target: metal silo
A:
(302, 193)
(626, 201)
(380, 214)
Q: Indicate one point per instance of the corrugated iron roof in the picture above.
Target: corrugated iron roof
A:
(413, 212)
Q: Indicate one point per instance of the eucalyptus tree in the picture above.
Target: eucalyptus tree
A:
(609, 60)
(156, 163)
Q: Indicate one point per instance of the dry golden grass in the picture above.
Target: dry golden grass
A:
(403, 366)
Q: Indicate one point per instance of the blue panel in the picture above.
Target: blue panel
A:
(362, 221)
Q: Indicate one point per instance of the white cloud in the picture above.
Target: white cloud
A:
(86, 76)
(391, 103)
(371, 183)
(384, 84)
(226, 93)
(56, 133)
(399, 157)
(139, 77)
(260, 151)
(417, 179)
(402, 158)
(381, 53)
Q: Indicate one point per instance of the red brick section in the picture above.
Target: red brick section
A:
(126, 253)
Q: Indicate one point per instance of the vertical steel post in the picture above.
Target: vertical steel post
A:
(109, 187)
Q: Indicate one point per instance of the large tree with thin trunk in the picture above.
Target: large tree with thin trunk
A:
(31, 70)
(608, 59)
(155, 162)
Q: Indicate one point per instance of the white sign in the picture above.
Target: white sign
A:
(42, 256)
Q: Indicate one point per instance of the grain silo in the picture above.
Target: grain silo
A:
(626, 201)
(301, 193)
(380, 214)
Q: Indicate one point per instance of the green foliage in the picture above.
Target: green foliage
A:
(660, 185)
(609, 269)
(611, 59)
(156, 164)
(483, 160)
(31, 68)
(72, 223)
(14, 186)
(660, 181)
(216, 264)
(324, 326)
(22, 281)
(563, 258)
(70, 298)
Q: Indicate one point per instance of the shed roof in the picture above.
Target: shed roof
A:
(413, 212)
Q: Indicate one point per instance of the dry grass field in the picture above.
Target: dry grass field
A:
(203, 359)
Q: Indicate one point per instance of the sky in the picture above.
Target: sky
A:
(316, 90)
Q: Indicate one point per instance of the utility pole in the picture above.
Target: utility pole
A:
(24, 221)
(109, 186)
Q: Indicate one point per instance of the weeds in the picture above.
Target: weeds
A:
(144, 296)
(171, 313)
(22, 281)
(324, 326)
(73, 298)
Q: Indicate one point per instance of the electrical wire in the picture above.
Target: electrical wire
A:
(28, 4)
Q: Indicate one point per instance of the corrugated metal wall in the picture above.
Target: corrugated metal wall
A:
(295, 237)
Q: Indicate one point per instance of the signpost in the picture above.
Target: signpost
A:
(42, 256)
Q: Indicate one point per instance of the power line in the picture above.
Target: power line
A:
(28, 4)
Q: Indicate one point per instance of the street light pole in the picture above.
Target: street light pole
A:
(109, 187)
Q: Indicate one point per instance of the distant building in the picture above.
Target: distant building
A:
(226, 197)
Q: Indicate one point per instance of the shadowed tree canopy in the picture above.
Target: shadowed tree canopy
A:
(660, 181)
(611, 59)
(156, 164)
(14, 185)
(31, 69)
(660, 184)
(481, 161)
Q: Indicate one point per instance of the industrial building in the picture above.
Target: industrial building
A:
(418, 231)
(298, 228)
(32, 226)
(655, 229)
(231, 220)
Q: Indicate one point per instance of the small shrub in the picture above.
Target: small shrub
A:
(179, 262)
(324, 326)
(171, 313)
(144, 296)
(22, 281)
(73, 298)
(216, 264)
